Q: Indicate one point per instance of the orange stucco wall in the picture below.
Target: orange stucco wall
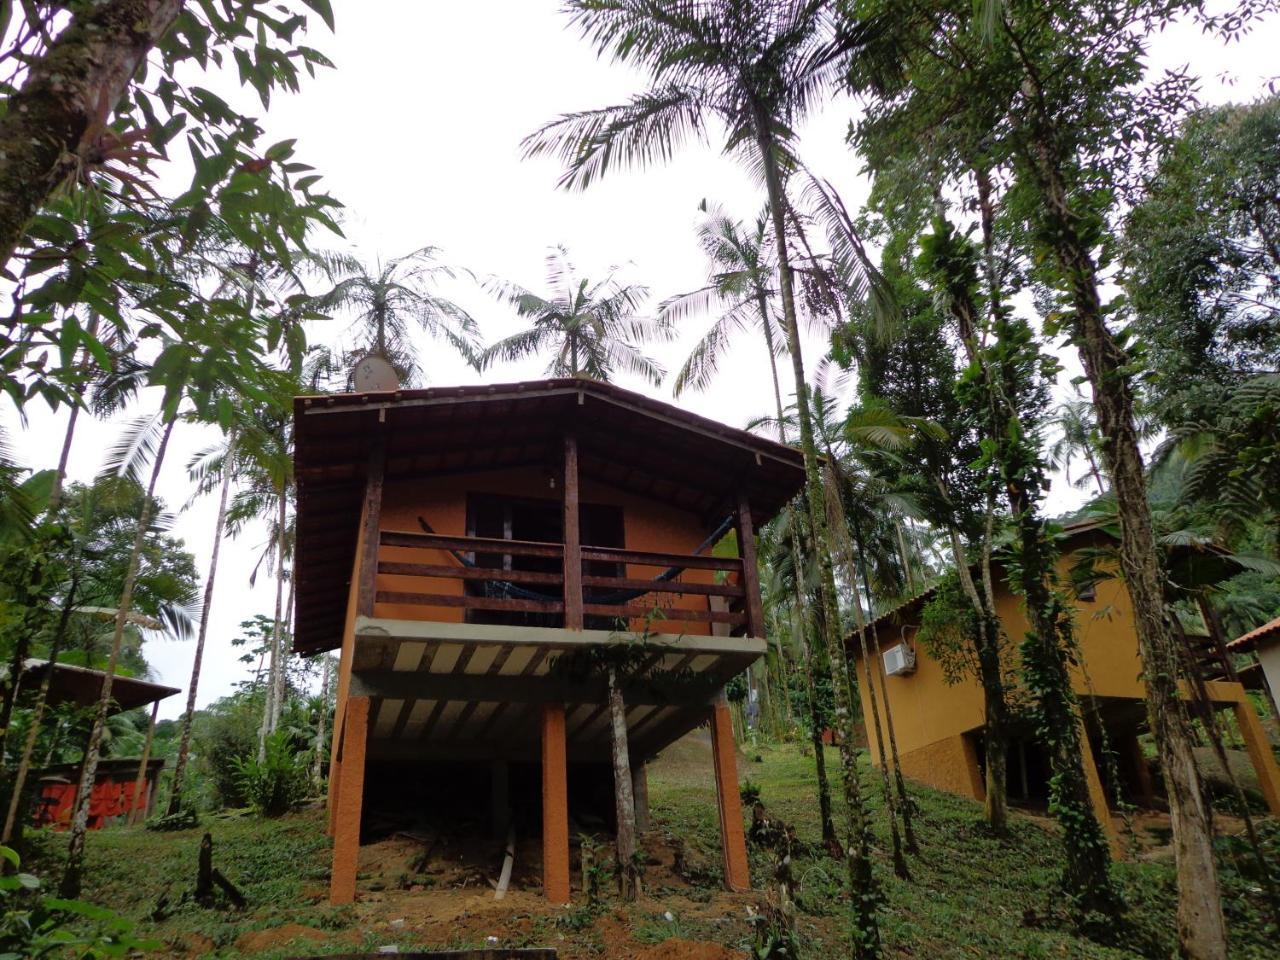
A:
(926, 710)
(949, 764)
(442, 501)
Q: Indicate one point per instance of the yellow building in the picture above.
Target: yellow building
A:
(938, 725)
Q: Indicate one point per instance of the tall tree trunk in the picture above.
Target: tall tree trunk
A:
(270, 710)
(37, 711)
(794, 523)
(322, 725)
(51, 126)
(1047, 643)
(995, 706)
(904, 800)
(1094, 471)
(864, 889)
(286, 651)
(72, 876)
(624, 800)
(188, 717)
(64, 456)
(890, 804)
(1202, 931)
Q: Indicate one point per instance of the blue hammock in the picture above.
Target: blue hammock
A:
(505, 589)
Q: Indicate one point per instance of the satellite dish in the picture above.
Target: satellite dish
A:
(374, 374)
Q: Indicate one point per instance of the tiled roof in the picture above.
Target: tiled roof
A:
(1246, 642)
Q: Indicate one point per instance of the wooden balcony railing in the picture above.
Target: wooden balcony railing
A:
(623, 596)
(571, 584)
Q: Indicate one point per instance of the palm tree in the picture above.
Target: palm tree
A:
(393, 298)
(590, 329)
(211, 469)
(1077, 437)
(265, 469)
(757, 67)
(146, 440)
(742, 289)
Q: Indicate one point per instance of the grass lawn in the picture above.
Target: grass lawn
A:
(970, 894)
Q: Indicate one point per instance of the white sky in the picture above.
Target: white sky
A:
(417, 132)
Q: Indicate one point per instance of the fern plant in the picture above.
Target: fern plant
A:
(276, 781)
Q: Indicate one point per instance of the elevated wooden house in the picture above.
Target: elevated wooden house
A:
(939, 721)
(478, 552)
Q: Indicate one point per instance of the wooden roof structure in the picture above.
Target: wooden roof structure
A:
(627, 440)
(82, 686)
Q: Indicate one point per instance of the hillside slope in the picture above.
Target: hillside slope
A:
(970, 895)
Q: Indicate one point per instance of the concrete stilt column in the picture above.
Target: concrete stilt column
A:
(555, 805)
(732, 839)
(640, 793)
(1098, 797)
(348, 801)
(1260, 753)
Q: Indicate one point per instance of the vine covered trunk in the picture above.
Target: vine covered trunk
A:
(865, 933)
(50, 129)
(623, 797)
(1201, 928)
(995, 703)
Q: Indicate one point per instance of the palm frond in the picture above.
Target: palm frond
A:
(132, 452)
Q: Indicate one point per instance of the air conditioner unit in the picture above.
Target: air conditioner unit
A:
(899, 660)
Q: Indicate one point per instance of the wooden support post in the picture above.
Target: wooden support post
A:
(371, 528)
(640, 792)
(750, 569)
(555, 805)
(729, 801)
(365, 575)
(346, 833)
(572, 538)
(141, 795)
(1260, 753)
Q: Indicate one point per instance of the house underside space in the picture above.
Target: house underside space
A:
(517, 719)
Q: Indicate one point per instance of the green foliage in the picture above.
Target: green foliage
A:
(948, 628)
(392, 299)
(274, 784)
(591, 329)
(1202, 262)
(111, 244)
(33, 925)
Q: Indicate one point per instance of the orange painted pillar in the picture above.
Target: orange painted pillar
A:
(1098, 797)
(1259, 748)
(346, 833)
(555, 805)
(732, 839)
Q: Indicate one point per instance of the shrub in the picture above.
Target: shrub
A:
(274, 784)
(33, 925)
